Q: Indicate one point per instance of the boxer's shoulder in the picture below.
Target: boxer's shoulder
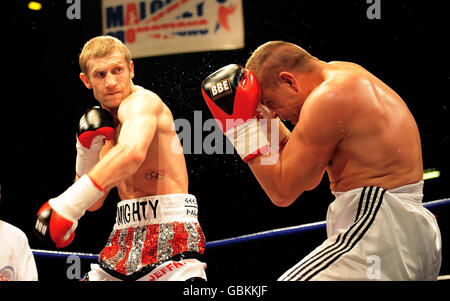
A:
(141, 102)
(143, 95)
(343, 90)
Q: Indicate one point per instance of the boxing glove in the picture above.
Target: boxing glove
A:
(58, 218)
(62, 230)
(95, 126)
(233, 93)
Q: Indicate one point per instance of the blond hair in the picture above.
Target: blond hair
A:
(271, 58)
(100, 47)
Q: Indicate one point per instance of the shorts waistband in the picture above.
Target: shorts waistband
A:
(410, 188)
(156, 209)
(415, 189)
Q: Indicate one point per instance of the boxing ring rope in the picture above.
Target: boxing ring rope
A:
(234, 240)
(60, 254)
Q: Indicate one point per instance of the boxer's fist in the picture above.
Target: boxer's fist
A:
(96, 126)
(51, 226)
(95, 122)
(233, 93)
(58, 218)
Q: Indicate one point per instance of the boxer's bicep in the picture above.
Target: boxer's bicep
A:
(139, 121)
(304, 161)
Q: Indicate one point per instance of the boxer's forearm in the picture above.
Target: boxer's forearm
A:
(99, 203)
(273, 180)
(118, 164)
(285, 176)
(268, 168)
(282, 133)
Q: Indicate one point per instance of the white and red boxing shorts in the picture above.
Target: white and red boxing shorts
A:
(154, 238)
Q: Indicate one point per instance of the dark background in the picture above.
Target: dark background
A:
(43, 100)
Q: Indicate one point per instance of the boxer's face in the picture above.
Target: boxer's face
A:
(110, 79)
(282, 102)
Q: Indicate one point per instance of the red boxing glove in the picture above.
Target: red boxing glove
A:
(58, 218)
(232, 93)
(52, 226)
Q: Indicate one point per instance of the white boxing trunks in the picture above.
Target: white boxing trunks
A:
(154, 238)
(375, 234)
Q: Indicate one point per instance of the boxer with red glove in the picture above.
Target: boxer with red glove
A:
(58, 218)
(233, 95)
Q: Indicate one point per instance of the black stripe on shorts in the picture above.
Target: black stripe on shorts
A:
(368, 207)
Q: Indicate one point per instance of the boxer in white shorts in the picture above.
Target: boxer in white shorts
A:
(370, 233)
(349, 124)
(129, 143)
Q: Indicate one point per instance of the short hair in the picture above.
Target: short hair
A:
(271, 58)
(100, 47)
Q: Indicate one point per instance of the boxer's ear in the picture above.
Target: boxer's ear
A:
(84, 78)
(288, 79)
(131, 69)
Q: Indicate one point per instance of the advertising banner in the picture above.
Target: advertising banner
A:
(162, 27)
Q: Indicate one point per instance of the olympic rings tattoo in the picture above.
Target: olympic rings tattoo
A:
(154, 175)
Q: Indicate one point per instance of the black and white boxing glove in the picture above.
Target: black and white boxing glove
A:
(95, 127)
